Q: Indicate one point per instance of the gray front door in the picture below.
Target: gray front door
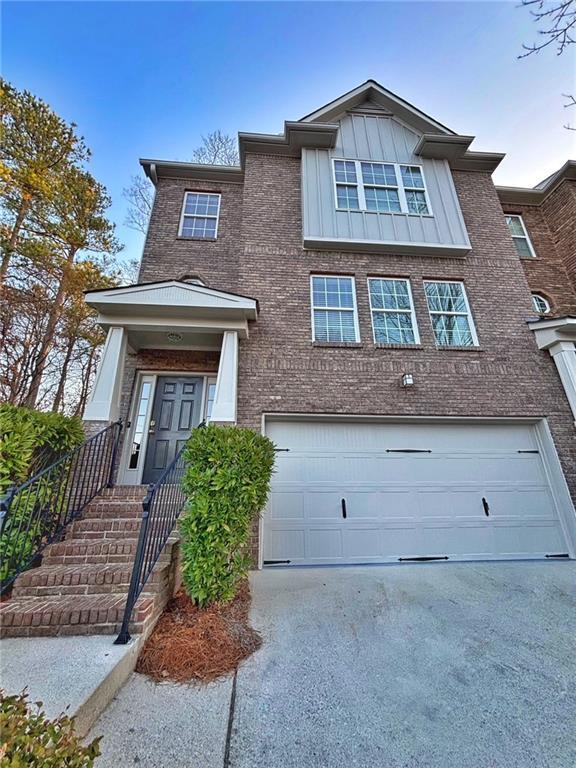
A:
(176, 411)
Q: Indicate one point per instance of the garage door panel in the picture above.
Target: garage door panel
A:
(285, 544)
(408, 504)
(520, 503)
(286, 505)
(362, 543)
(324, 544)
(537, 539)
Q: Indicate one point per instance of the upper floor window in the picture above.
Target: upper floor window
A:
(200, 215)
(380, 187)
(540, 304)
(450, 314)
(519, 234)
(393, 318)
(334, 314)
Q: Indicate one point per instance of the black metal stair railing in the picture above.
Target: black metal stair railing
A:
(36, 513)
(160, 511)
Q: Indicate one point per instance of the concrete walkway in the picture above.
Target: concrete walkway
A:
(432, 666)
(76, 675)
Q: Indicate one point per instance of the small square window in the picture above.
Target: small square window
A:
(200, 215)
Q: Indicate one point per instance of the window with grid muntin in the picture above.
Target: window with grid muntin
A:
(450, 314)
(520, 237)
(200, 215)
(334, 309)
(393, 318)
(380, 187)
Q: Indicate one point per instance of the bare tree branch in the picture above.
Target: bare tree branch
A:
(217, 149)
(558, 20)
(140, 196)
(571, 103)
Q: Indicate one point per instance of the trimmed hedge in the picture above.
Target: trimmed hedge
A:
(29, 738)
(31, 440)
(227, 483)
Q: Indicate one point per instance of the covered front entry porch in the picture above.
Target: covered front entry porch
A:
(191, 333)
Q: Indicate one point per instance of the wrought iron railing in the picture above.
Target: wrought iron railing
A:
(161, 508)
(35, 513)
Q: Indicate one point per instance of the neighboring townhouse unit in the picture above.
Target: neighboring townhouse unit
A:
(354, 290)
(542, 222)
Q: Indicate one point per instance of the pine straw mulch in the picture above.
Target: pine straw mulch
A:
(199, 644)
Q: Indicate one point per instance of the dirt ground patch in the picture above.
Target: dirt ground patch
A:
(201, 644)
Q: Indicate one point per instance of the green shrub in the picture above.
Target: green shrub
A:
(29, 738)
(227, 482)
(31, 440)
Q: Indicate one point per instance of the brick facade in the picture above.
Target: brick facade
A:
(553, 234)
(259, 253)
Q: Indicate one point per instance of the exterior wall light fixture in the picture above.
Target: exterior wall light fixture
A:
(408, 380)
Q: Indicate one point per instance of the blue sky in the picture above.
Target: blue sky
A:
(147, 79)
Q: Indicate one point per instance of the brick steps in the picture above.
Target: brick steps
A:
(82, 583)
(100, 510)
(85, 579)
(109, 528)
(65, 614)
(75, 552)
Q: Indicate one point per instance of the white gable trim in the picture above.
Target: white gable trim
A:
(373, 91)
(171, 295)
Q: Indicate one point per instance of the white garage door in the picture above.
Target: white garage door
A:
(364, 492)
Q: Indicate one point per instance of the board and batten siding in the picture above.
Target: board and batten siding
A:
(367, 137)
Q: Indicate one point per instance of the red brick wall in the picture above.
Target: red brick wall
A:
(560, 211)
(547, 273)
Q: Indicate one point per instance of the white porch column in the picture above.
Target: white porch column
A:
(564, 355)
(104, 402)
(224, 406)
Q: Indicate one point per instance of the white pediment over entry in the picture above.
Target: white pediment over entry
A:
(171, 298)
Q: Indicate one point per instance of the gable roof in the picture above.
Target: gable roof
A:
(319, 130)
(373, 95)
(174, 296)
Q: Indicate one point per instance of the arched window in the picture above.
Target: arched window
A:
(540, 303)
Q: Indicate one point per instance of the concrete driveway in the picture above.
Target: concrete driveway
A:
(435, 666)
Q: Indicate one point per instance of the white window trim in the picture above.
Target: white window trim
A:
(519, 237)
(198, 216)
(353, 309)
(399, 186)
(545, 300)
(475, 342)
(410, 311)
